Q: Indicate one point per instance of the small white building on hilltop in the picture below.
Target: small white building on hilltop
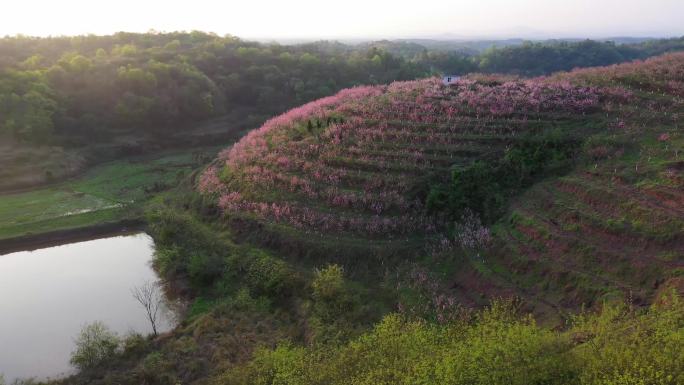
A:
(450, 79)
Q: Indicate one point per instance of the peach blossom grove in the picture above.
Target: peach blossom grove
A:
(341, 165)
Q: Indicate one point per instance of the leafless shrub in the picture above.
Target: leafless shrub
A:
(150, 297)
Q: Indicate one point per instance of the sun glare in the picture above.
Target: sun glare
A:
(351, 19)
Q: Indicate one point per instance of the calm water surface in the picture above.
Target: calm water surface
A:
(47, 295)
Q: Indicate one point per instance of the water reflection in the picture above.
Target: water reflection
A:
(47, 295)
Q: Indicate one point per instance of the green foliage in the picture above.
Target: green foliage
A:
(91, 88)
(495, 346)
(134, 343)
(485, 186)
(625, 349)
(94, 345)
(265, 274)
(523, 57)
(535, 155)
(204, 268)
(243, 301)
(475, 187)
(155, 370)
(532, 59)
(200, 305)
(284, 365)
(333, 298)
(27, 106)
(340, 309)
(185, 246)
(328, 283)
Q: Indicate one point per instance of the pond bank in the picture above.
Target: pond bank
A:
(103, 198)
(48, 295)
(54, 238)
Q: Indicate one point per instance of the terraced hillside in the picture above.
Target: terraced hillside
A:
(560, 190)
(349, 166)
(406, 206)
(614, 227)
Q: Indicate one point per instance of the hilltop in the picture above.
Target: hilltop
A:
(563, 190)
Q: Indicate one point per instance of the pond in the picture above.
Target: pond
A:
(48, 295)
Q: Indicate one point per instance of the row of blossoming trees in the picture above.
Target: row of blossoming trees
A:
(348, 164)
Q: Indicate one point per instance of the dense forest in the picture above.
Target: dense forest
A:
(90, 87)
(76, 90)
(525, 58)
(540, 58)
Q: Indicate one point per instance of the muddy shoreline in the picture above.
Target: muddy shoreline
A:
(55, 238)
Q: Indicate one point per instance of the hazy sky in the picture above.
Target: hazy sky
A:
(349, 18)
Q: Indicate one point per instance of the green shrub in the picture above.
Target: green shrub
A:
(328, 284)
(243, 301)
(284, 365)
(168, 259)
(205, 268)
(94, 345)
(340, 309)
(627, 348)
(134, 343)
(265, 274)
(186, 246)
(200, 305)
(156, 369)
(334, 298)
(497, 346)
(475, 187)
(485, 185)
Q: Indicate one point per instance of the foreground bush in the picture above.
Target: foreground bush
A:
(94, 345)
(619, 346)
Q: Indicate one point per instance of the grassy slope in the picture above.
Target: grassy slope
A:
(611, 229)
(25, 165)
(106, 193)
(77, 194)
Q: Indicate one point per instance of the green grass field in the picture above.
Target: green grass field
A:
(106, 193)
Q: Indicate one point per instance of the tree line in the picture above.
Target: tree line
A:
(526, 58)
(76, 90)
(86, 88)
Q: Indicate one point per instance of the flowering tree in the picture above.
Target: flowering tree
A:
(354, 175)
(470, 234)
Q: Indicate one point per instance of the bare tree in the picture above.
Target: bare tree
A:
(150, 297)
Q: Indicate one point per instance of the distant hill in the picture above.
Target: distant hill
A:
(524, 57)
(475, 46)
